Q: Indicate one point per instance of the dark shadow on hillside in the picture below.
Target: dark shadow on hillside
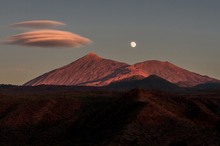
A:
(103, 123)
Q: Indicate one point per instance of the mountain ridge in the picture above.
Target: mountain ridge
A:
(93, 70)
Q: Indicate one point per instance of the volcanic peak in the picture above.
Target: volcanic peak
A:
(93, 70)
(93, 56)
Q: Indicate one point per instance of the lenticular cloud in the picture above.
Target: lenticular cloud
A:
(44, 37)
(48, 38)
(38, 24)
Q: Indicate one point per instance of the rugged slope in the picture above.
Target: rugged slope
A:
(64, 116)
(92, 70)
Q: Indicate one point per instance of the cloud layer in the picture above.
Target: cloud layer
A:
(48, 38)
(38, 24)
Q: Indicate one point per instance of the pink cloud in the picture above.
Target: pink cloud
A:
(38, 24)
(48, 38)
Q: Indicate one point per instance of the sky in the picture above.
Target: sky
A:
(183, 32)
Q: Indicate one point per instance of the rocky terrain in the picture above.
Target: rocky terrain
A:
(81, 116)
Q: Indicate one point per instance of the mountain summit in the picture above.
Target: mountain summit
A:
(92, 55)
(93, 70)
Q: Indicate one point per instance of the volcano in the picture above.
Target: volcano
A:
(93, 70)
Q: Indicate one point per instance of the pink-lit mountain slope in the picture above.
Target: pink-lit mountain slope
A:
(92, 70)
(173, 73)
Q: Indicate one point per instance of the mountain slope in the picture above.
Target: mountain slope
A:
(92, 70)
(173, 73)
(89, 70)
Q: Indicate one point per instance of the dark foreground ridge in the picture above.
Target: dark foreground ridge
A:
(152, 82)
(71, 116)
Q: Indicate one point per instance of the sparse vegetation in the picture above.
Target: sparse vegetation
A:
(62, 115)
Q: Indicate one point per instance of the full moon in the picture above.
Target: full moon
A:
(133, 44)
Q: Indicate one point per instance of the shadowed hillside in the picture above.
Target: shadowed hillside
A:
(45, 115)
(151, 83)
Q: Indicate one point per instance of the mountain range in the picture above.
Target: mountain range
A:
(93, 70)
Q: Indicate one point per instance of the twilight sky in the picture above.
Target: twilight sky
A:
(183, 32)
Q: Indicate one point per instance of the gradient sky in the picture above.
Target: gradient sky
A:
(184, 32)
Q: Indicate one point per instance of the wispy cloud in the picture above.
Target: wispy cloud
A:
(38, 24)
(48, 38)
